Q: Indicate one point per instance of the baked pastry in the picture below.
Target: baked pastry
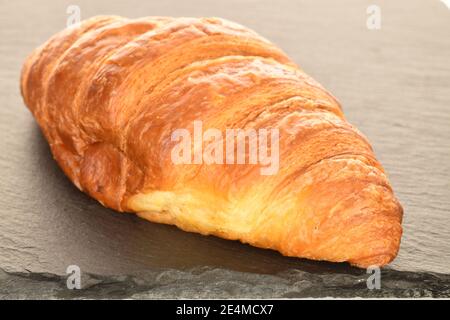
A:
(110, 92)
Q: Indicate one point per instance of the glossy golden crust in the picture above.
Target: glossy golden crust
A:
(109, 93)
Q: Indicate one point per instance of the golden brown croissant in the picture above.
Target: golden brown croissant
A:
(110, 92)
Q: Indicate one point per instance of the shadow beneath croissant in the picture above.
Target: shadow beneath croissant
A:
(100, 240)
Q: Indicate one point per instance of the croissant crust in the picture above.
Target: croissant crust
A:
(109, 92)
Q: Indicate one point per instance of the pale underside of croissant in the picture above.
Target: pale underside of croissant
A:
(109, 92)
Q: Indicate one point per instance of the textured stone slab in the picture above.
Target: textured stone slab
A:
(393, 84)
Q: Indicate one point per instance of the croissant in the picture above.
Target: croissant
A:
(110, 92)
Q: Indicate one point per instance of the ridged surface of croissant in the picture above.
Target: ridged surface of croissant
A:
(109, 92)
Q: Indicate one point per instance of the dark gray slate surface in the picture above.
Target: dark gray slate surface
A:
(394, 84)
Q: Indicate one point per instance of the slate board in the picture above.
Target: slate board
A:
(394, 85)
